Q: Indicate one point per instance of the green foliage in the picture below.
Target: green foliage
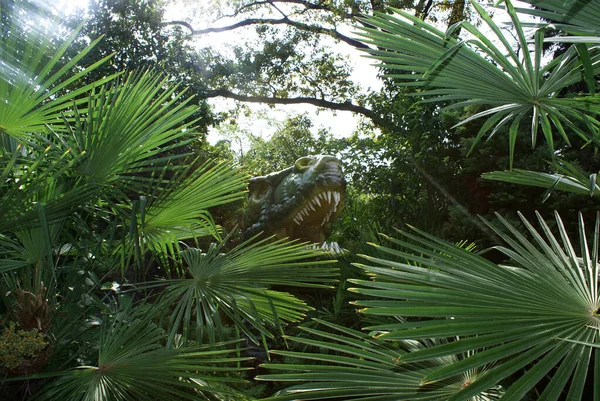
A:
(32, 75)
(295, 139)
(510, 308)
(236, 286)
(98, 192)
(579, 19)
(291, 68)
(16, 345)
(134, 33)
(127, 126)
(512, 88)
(132, 363)
(354, 365)
(132, 30)
(177, 209)
(413, 162)
(569, 178)
(490, 322)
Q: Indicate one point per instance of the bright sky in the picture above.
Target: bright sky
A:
(340, 123)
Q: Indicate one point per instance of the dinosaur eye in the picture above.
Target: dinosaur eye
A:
(304, 162)
(258, 190)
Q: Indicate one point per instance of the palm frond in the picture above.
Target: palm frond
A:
(577, 17)
(351, 365)
(127, 126)
(236, 284)
(177, 209)
(33, 178)
(548, 290)
(568, 178)
(133, 364)
(32, 74)
(181, 210)
(511, 85)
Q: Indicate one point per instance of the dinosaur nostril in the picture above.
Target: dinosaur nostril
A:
(303, 163)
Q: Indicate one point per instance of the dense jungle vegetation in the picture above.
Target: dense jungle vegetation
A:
(471, 230)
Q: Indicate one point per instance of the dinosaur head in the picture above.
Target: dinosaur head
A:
(298, 202)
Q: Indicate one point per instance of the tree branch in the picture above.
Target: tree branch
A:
(345, 106)
(271, 21)
(306, 4)
(245, 6)
(278, 9)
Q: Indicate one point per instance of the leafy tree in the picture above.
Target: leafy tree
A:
(134, 33)
(289, 143)
(288, 56)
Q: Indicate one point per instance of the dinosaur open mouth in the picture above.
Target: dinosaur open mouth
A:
(319, 208)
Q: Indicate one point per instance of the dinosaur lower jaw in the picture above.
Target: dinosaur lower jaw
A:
(319, 209)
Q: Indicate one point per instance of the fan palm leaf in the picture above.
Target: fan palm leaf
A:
(132, 364)
(32, 74)
(476, 72)
(177, 209)
(577, 17)
(34, 178)
(568, 178)
(236, 284)
(36, 162)
(352, 365)
(181, 210)
(128, 127)
(518, 311)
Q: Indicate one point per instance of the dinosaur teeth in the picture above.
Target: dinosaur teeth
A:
(336, 199)
(326, 219)
(333, 199)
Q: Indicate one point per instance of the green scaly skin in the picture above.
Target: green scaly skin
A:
(299, 202)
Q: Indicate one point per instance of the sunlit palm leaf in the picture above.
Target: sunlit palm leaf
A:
(512, 87)
(36, 170)
(127, 126)
(30, 179)
(578, 17)
(351, 365)
(548, 291)
(32, 73)
(133, 364)
(177, 209)
(181, 210)
(236, 284)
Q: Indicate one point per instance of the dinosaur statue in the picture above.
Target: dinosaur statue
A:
(299, 202)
